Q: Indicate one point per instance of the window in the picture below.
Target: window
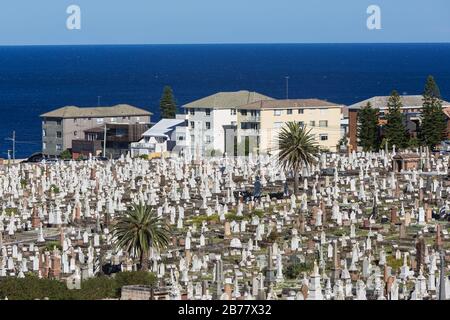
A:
(75, 133)
(44, 122)
(58, 122)
(138, 119)
(208, 125)
(44, 145)
(323, 123)
(89, 119)
(277, 112)
(244, 112)
(208, 112)
(99, 120)
(58, 134)
(233, 112)
(75, 120)
(289, 111)
(208, 139)
(192, 124)
(323, 137)
(301, 124)
(312, 123)
(180, 138)
(113, 119)
(44, 132)
(58, 147)
(192, 112)
(301, 111)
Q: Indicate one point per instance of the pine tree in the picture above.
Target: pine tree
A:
(368, 128)
(167, 104)
(434, 122)
(395, 131)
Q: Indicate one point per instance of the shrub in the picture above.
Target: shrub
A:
(135, 278)
(96, 289)
(66, 155)
(102, 287)
(293, 271)
(32, 288)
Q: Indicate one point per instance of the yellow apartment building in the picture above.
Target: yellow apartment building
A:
(259, 123)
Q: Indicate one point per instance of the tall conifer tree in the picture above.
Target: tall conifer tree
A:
(167, 104)
(395, 130)
(368, 128)
(434, 122)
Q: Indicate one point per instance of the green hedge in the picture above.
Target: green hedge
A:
(102, 287)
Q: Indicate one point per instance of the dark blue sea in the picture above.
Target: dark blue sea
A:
(34, 79)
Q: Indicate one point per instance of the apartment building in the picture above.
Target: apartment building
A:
(259, 123)
(61, 126)
(411, 109)
(119, 137)
(212, 121)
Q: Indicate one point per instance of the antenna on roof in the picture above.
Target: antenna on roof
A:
(287, 87)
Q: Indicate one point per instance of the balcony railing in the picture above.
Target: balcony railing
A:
(250, 119)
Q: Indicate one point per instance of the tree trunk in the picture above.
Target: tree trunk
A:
(144, 261)
(296, 182)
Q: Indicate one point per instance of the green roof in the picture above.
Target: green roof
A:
(115, 111)
(227, 100)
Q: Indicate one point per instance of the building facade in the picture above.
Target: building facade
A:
(259, 123)
(412, 110)
(159, 139)
(212, 121)
(118, 137)
(61, 126)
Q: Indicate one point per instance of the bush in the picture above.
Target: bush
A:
(66, 155)
(293, 271)
(54, 188)
(32, 288)
(135, 278)
(50, 246)
(96, 289)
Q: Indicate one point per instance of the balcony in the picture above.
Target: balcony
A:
(250, 118)
(249, 132)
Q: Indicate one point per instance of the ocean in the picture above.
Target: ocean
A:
(37, 79)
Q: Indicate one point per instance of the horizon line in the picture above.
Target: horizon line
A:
(222, 43)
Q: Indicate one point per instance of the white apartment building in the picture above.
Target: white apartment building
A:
(212, 121)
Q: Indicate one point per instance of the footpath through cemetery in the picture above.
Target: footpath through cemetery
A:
(362, 226)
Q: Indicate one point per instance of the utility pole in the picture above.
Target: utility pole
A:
(104, 142)
(287, 87)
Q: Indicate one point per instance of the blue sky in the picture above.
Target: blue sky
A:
(25, 22)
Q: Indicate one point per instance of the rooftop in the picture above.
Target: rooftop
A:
(289, 103)
(380, 102)
(162, 127)
(114, 111)
(227, 100)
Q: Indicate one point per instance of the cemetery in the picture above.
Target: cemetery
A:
(361, 226)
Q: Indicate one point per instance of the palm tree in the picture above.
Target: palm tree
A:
(297, 148)
(140, 229)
